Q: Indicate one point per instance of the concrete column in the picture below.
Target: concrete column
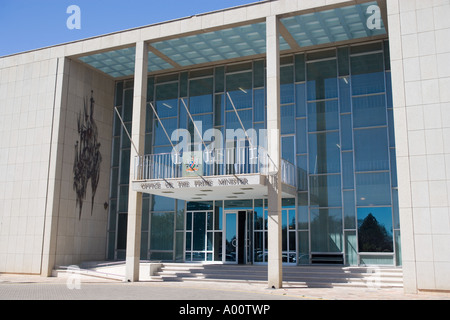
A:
(275, 273)
(138, 147)
(48, 257)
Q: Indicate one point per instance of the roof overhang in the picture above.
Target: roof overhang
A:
(338, 24)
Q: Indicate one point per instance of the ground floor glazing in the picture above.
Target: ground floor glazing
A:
(235, 232)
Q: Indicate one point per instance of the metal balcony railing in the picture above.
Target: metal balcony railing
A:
(207, 163)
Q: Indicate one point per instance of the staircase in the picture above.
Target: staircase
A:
(293, 276)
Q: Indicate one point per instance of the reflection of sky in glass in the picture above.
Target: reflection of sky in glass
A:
(383, 216)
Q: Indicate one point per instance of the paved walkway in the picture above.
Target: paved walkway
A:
(21, 287)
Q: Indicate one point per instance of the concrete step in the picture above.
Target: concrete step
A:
(303, 276)
(311, 276)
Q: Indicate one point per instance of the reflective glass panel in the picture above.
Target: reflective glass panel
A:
(347, 170)
(303, 247)
(259, 73)
(184, 84)
(287, 85)
(199, 231)
(122, 231)
(258, 218)
(326, 230)
(349, 210)
(284, 231)
(369, 111)
(300, 67)
(287, 114)
(169, 125)
(375, 230)
(344, 95)
(219, 107)
(232, 121)
(302, 211)
(218, 208)
(302, 146)
(371, 149)
(300, 90)
(346, 132)
(302, 173)
(325, 191)
(324, 153)
(126, 142)
(200, 95)
(373, 189)
(367, 74)
(259, 105)
(199, 205)
(204, 122)
(322, 80)
(239, 204)
(239, 87)
(258, 246)
(287, 149)
(351, 251)
(231, 237)
(123, 198)
(162, 224)
(162, 203)
(167, 99)
(323, 115)
(128, 106)
(125, 167)
(343, 61)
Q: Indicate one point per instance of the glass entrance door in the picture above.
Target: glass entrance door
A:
(231, 237)
(238, 237)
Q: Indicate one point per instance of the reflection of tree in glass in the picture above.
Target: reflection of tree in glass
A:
(373, 236)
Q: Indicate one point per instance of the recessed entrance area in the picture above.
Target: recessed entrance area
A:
(208, 241)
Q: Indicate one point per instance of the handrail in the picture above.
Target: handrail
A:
(216, 162)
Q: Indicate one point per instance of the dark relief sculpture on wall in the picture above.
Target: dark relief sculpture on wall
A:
(88, 158)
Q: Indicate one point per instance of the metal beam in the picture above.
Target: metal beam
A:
(163, 56)
(288, 37)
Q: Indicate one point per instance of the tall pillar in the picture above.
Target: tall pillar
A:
(275, 272)
(138, 146)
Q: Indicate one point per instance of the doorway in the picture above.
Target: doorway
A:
(238, 238)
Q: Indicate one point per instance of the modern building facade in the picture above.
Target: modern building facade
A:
(280, 133)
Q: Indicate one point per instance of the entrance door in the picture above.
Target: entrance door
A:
(238, 237)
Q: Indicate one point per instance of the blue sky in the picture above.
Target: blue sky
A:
(32, 24)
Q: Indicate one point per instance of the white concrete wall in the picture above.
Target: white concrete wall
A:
(83, 239)
(27, 85)
(419, 34)
(41, 94)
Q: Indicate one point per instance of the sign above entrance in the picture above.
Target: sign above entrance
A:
(243, 186)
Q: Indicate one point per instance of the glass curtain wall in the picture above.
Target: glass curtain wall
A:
(347, 201)
(336, 127)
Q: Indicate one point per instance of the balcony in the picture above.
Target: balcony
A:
(212, 174)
